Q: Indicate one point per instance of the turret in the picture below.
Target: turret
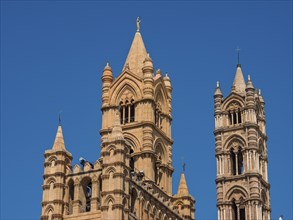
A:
(184, 202)
(148, 71)
(115, 174)
(218, 96)
(107, 79)
(57, 165)
(168, 85)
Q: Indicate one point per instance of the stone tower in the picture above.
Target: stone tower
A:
(243, 190)
(144, 104)
(57, 165)
(133, 177)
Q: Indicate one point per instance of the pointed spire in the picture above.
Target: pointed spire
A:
(239, 83)
(137, 54)
(249, 83)
(59, 140)
(182, 188)
(218, 89)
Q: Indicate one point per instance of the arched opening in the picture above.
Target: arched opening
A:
(158, 115)
(240, 161)
(86, 186)
(100, 191)
(131, 161)
(234, 211)
(233, 162)
(126, 116)
(127, 112)
(158, 163)
(50, 213)
(133, 199)
(123, 208)
(71, 196)
(234, 116)
(132, 111)
(121, 111)
(236, 158)
(238, 210)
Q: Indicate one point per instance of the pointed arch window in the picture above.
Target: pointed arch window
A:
(133, 200)
(127, 111)
(158, 115)
(86, 186)
(238, 209)
(234, 117)
(131, 162)
(236, 157)
(71, 196)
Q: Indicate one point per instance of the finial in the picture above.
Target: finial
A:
(238, 56)
(107, 64)
(158, 72)
(259, 92)
(218, 84)
(138, 24)
(59, 119)
(248, 77)
(166, 75)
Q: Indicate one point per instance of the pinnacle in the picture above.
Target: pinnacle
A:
(239, 83)
(59, 140)
(136, 55)
(182, 188)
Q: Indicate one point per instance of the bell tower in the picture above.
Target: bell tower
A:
(143, 101)
(243, 190)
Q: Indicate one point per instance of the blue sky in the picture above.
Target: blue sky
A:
(52, 57)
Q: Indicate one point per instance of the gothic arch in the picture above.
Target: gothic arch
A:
(111, 149)
(264, 197)
(161, 96)
(233, 140)
(52, 160)
(133, 141)
(160, 150)
(110, 170)
(49, 208)
(261, 147)
(119, 88)
(233, 98)
(86, 193)
(51, 180)
(109, 199)
(236, 193)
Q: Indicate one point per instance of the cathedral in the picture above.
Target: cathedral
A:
(132, 179)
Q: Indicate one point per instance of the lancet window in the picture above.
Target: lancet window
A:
(158, 115)
(71, 196)
(158, 163)
(86, 186)
(127, 111)
(238, 210)
(234, 117)
(234, 113)
(236, 157)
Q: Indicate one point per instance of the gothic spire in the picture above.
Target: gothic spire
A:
(137, 54)
(239, 83)
(59, 140)
(182, 188)
(218, 90)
